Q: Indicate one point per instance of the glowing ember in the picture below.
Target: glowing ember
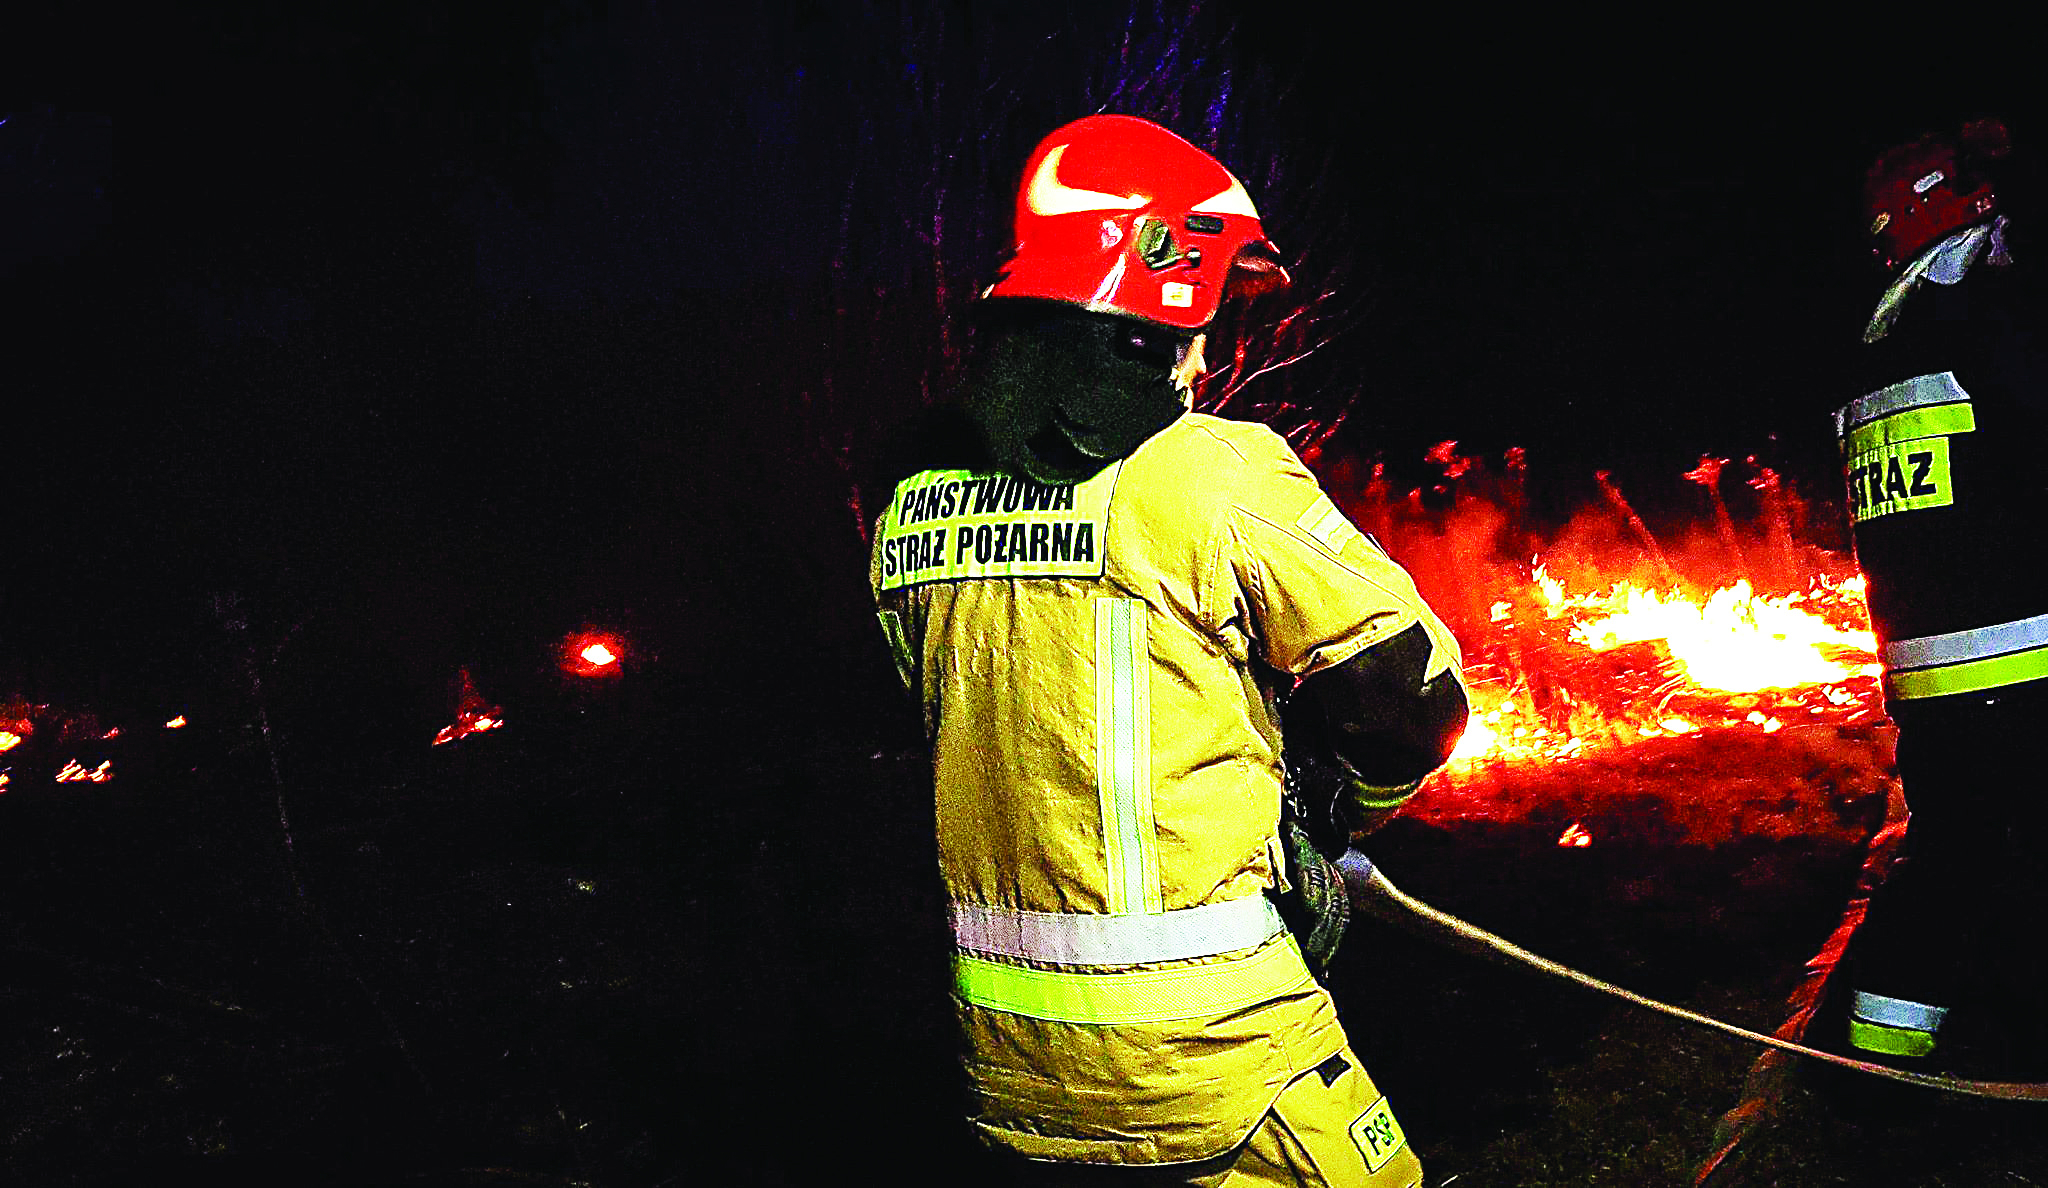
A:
(177, 723)
(1576, 837)
(4, 778)
(473, 715)
(75, 773)
(466, 726)
(113, 733)
(593, 653)
(9, 740)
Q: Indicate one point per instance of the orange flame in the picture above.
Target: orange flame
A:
(76, 773)
(599, 655)
(1615, 666)
(177, 723)
(9, 740)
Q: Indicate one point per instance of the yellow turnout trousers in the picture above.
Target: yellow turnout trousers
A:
(1330, 1128)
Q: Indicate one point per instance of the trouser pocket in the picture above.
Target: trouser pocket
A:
(1345, 1128)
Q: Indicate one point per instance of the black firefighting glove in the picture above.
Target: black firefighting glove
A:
(1315, 908)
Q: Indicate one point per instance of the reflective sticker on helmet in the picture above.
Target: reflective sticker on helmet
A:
(1232, 199)
(1045, 194)
(1929, 182)
(1176, 294)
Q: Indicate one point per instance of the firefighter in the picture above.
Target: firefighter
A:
(1094, 594)
(1945, 490)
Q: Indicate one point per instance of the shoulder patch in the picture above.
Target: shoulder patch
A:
(1327, 525)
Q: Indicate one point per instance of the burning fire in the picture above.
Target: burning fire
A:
(599, 655)
(76, 773)
(473, 715)
(9, 740)
(1571, 671)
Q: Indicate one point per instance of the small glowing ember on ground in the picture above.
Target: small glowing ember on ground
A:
(113, 733)
(593, 653)
(473, 715)
(177, 723)
(9, 740)
(75, 773)
(1578, 836)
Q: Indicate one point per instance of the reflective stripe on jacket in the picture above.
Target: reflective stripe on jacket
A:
(1108, 774)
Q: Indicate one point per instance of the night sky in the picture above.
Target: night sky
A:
(434, 332)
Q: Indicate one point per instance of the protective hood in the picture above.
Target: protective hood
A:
(1059, 393)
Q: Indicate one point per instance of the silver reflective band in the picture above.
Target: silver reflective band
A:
(1898, 1012)
(1088, 938)
(1918, 392)
(1978, 643)
(1123, 754)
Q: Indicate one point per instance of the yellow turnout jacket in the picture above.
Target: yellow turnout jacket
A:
(1108, 775)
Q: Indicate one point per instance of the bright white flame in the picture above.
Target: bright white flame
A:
(1735, 641)
(177, 723)
(9, 740)
(599, 655)
(1731, 660)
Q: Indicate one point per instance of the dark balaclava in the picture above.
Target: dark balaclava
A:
(1057, 393)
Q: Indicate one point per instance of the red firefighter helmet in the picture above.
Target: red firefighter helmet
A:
(1917, 193)
(1119, 215)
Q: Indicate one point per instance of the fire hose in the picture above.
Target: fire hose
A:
(1371, 891)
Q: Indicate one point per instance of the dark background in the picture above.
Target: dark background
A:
(426, 329)
(427, 335)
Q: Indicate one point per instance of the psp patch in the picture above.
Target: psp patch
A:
(945, 525)
(1377, 1135)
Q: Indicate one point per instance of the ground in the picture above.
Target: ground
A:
(613, 948)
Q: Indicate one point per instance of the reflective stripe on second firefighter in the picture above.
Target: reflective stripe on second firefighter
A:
(1893, 1026)
(1968, 661)
(1895, 445)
